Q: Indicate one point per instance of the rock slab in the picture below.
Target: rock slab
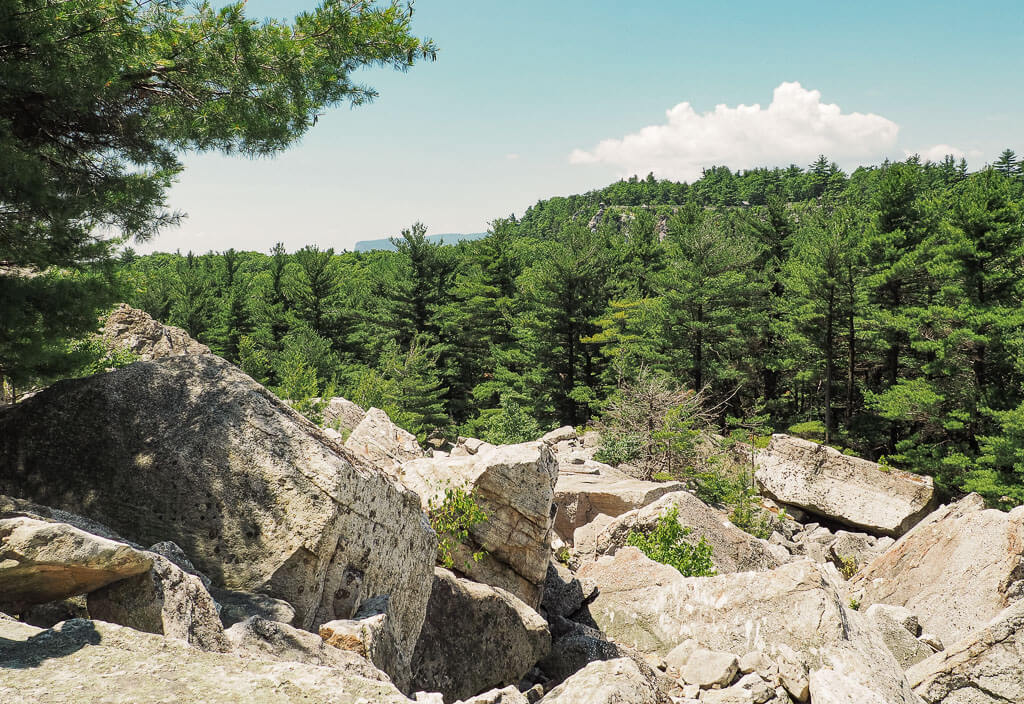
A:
(42, 561)
(850, 490)
(92, 661)
(190, 449)
(795, 614)
(985, 668)
(732, 550)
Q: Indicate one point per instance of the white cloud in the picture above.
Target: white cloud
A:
(937, 152)
(512, 157)
(795, 128)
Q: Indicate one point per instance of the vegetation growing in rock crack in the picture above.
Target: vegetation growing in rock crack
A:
(667, 544)
(452, 518)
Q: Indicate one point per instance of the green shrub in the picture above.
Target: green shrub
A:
(512, 424)
(847, 566)
(452, 518)
(666, 544)
(747, 515)
(618, 448)
(810, 430)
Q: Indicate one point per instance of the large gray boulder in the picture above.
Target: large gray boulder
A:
(165, 600)
(133, 330)
(849, 490)
(987, 667)
(42, 561)
(580, 498)
(732, 550)
(619, 681)
(93, 661)
(956, 570)
(900, 630)
(794, 614)
(382, 443)
(475, 637)
(260, 639)
(514, 486)
(192, 450)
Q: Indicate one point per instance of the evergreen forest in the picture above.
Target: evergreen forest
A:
(878, 311)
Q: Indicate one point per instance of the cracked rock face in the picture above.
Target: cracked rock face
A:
(956, 570)
(985, 668)
(190, 449)
(794, 614)
(514, 485)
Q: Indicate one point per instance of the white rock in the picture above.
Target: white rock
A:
(987, 667)
(382, 442)
(956, 570)
(795, 614)
(847, 489)
(41, 561)
(617, 681)
(566, 432)
(580, 498)
(708, 668)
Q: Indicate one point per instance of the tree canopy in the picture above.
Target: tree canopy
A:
(100, 98)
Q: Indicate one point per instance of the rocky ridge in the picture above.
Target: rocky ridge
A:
(283, 565)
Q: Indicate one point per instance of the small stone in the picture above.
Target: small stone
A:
(678, 656)
(709, 667)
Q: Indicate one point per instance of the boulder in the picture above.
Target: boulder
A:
(956, 569)
(899, 628)
(260, 639)
(382, 443)
(794, 614)
(192, 450)
(239, 606)
(93, 661)
(849, 490)
(987, 667)
(853, 551)
(370, 634)
(475, 637)
(709, 668)
(732, 550)
(580, 498)
(134, 331)
(564, 594)
(619, 681)
(175, 554)
(566, 432)
(42, 562)
(750, 689)
(342, 415)
(514, 486)
(165, 600)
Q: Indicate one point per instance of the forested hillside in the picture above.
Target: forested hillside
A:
(878, 311)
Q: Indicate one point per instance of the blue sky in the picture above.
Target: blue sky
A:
(530, 99)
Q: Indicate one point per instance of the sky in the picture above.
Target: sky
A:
(530, 99)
